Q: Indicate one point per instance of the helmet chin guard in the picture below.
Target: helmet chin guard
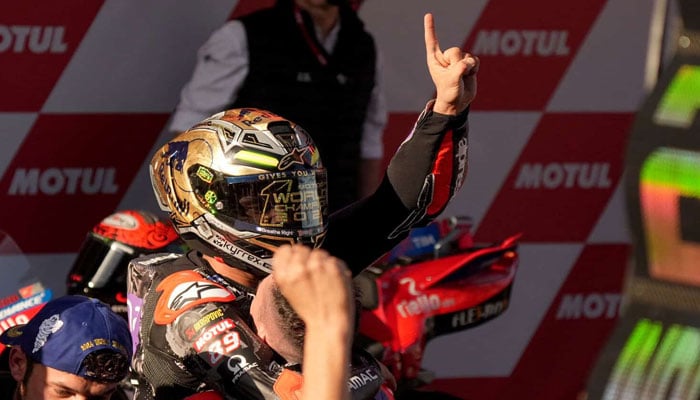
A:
(240, 184)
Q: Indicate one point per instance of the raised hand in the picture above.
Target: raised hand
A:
(453, 72)
(319, 288)
(317, 285)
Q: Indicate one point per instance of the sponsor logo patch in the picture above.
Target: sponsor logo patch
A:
(363, 378)
(212, 332)
(238, 365)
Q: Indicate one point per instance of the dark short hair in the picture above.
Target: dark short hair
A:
(294, 326)
(28, 371)
(105, 366)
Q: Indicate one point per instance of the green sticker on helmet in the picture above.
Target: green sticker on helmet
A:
(204, 174)
(210, 197)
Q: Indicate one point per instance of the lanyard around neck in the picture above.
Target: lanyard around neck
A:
(307, 36)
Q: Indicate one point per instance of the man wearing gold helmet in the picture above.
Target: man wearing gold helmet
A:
(242, 183)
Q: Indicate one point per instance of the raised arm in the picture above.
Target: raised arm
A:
(425, 172)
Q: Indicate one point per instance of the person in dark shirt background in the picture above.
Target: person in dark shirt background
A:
(312, 62)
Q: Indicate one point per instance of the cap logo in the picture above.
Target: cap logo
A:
(47, 327)
(14, 332)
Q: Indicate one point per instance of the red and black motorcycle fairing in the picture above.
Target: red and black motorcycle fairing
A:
(452, 287)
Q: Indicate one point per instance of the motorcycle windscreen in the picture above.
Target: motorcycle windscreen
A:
(100, 263)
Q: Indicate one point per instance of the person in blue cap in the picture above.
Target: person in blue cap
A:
(75, 347)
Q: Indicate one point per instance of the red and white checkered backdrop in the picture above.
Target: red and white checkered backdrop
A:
(86, 89)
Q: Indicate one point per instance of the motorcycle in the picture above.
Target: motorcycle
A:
(435, 282)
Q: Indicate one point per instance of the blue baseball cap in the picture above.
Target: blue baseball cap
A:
(68, 330)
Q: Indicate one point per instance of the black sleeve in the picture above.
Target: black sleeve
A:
(193, 335)
(358, 233)
(430, 166)
(423, 176)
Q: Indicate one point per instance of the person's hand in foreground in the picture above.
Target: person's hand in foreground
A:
(319, 288)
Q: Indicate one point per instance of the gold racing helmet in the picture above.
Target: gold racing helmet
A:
(240, 184)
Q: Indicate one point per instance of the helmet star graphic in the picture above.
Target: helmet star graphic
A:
(296, 156)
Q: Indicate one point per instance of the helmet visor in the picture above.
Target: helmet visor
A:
(291, 204)
(102, 262)
(99, 262)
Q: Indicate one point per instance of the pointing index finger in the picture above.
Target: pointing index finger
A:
(432, 46)
(431, 42)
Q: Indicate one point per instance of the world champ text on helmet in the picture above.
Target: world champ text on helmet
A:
(241, 183)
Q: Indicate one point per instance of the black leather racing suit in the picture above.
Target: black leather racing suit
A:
(192, 326)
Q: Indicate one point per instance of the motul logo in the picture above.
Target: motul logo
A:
(591, 306)
(526, 42)
(55, 181)
(221, 327)
(35, 39)
(566, 175)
